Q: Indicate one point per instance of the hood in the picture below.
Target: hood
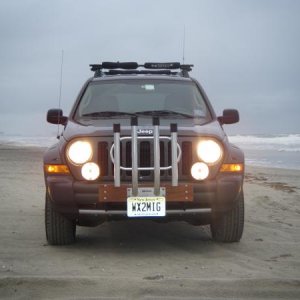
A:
(104, 128)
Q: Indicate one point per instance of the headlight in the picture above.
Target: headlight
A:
(80, 152)
(209, 151)
(200, 171)
(90, 171)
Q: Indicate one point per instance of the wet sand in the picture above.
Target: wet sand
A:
(146, 260)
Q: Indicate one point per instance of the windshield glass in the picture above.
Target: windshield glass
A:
(124, 98)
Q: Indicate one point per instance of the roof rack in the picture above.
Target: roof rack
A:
(124, 68)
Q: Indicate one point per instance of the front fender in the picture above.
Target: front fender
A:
(235, 155)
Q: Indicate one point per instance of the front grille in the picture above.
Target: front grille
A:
(145, 159)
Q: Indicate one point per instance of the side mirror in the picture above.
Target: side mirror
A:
(230, 116)
(55, 116)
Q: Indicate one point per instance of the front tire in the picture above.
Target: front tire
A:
(59, 229)
(228, 227)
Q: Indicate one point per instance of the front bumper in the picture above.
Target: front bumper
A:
(73, 198)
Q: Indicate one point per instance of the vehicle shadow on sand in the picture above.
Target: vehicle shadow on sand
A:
(139, 235)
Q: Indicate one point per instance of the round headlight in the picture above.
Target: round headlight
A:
(90, 171)
(80, 152)
(200, 171)
(209, 151)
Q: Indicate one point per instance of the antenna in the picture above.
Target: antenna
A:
(60, 86)
(183, 45)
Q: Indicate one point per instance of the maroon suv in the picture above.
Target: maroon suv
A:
(143, 141)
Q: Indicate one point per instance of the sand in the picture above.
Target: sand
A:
(143, 259)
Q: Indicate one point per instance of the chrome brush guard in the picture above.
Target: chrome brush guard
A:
(115, 155)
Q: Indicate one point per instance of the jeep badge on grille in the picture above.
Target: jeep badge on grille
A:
(145, 131)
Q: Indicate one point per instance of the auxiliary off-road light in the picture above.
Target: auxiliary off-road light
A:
(200, 171)
(90, 171)
(209, 151)
(79, 152)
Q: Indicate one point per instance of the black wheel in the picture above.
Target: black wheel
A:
(228, 227)
(59, 229)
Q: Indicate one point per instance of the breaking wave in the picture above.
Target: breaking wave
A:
(27, 141)
(280, 143)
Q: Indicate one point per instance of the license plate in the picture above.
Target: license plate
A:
(146, 206)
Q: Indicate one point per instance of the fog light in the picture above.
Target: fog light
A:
(90, 171)
(199, 171)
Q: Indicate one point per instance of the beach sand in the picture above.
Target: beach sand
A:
(144, 259)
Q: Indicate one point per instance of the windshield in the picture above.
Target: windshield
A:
(125, 98)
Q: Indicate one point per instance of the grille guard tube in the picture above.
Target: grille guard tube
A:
(175, 154)
(117, 155)
(111, 153)
(156, 157)
(134, 156)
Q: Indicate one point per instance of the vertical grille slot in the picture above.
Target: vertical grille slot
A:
(128, 159)
(103, 158)
(145, 157)
(187, 157)
(162, 156)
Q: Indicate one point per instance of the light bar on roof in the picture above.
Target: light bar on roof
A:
(171, 65)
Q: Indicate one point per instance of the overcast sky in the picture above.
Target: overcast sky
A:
(246, 54)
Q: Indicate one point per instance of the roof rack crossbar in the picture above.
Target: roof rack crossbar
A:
(129, 72)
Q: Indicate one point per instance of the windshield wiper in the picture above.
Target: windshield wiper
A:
(163, 113)
(108, 114)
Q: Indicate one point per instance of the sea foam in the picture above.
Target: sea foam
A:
(27, 141)
(280, 143)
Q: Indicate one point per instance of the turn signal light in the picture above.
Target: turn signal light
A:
(232, 168)
(57, 169)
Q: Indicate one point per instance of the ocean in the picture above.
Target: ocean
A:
(276, 151)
